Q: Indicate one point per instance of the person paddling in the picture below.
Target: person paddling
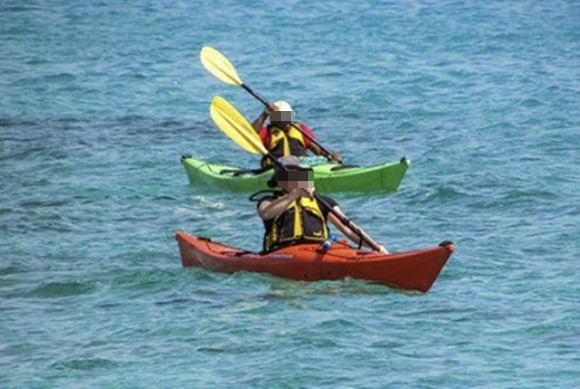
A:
(292, 215)
(281, 138)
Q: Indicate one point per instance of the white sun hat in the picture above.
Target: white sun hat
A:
(283, 106)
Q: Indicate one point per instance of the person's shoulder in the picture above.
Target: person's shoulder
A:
(329, 200)
(263, 130)
(266, 198)
(271, 196)
(325, 197)
(306, 129)
(264, 135)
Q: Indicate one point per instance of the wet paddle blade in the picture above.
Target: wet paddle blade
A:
(219, 66)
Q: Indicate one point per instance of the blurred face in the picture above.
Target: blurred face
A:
(281, 118)
(295, 179)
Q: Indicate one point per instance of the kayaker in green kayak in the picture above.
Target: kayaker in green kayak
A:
(281, 138)
(293, 215)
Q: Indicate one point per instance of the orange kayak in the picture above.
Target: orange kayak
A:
(413, 270)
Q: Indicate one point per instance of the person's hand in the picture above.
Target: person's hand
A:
(271, 107)
(309, 192)
(302, 192)
(336, 156)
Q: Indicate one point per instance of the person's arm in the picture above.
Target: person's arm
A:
(350, 233)
(315, 149)
(269, 209)
(260, 120)
(318, 151)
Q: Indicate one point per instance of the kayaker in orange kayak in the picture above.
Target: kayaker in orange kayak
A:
(281, 138)
(293, 215)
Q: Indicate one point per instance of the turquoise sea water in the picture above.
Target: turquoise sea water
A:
(98, 101)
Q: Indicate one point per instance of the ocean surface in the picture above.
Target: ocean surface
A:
(99, 100)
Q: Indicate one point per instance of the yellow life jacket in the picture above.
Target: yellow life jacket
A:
(302, 222)
(283, 144)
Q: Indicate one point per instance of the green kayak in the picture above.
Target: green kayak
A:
(329, 177)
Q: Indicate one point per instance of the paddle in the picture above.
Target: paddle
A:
(237, 128)
(218, 65)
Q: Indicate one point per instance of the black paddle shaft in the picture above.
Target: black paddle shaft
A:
(250, 91)
(340, 217)
(324, 150)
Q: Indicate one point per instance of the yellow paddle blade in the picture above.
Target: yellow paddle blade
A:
(235, 126)
(219, 66)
